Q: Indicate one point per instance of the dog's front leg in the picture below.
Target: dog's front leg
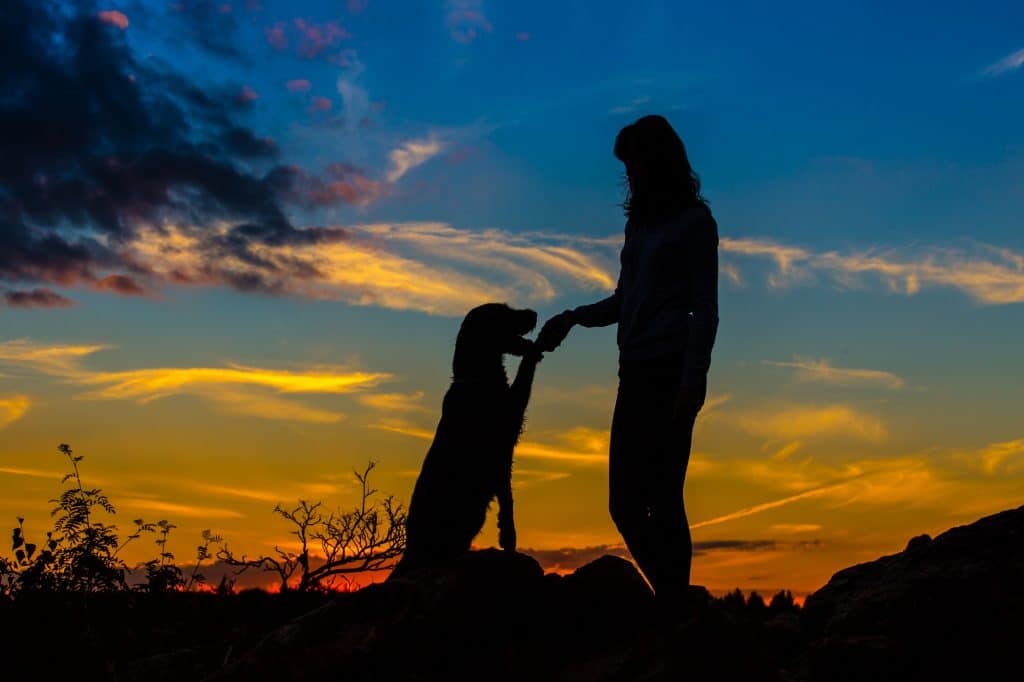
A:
(519, 391)
(519, 397)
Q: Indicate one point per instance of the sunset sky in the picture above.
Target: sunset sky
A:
(237, 238)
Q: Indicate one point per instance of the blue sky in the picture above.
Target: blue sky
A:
(865, 163)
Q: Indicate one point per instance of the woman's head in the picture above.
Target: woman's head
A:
(660, 180)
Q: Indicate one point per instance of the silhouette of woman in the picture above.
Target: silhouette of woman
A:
(666, 306)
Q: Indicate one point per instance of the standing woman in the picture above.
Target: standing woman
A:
(666, 306)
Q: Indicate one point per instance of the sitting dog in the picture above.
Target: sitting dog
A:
(469, 462)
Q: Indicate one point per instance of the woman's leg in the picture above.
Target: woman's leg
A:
(675, 549)
(647, 469)
(629, 490)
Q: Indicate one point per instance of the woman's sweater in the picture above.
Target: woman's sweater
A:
(666, 300)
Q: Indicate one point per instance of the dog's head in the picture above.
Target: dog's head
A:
(496, 329)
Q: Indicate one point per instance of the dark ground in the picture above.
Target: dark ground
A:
(945, 608)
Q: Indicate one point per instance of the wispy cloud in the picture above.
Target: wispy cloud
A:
(931, 481)
(1010, 62)
(632, 106)
(32, 473)
(39, 297)
(149, 384)
(465, 19)
(232, 491)
(524, 478)
(793, 528)
(997, 458)
(187, 510)
(566, 559)
(394, 402)
(821, 370)
(430, 267)
(235, 387)
(114, 18)
(987, 274)
(13, 408)
(54, 359)
(797, 422)
(766, 506)
(588, 456)
(410, 154)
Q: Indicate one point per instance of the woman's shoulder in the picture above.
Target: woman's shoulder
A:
(694, 217)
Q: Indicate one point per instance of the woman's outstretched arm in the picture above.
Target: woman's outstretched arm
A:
(599, 314)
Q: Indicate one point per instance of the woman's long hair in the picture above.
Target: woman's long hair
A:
(668, 183)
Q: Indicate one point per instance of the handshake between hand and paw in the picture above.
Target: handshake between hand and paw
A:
(554, 332)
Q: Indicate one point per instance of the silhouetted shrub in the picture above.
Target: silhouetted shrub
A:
(80, 554)
(370, 537)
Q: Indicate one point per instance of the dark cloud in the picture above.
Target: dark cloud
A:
(211, 24)
(95, 144)
(734, 545)
(121, 284)
(571, 558)
(37, 298)
(339, 183)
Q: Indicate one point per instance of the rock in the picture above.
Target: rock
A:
(436, 624)
(947, 608)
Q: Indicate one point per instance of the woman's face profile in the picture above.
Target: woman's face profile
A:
(635, 169)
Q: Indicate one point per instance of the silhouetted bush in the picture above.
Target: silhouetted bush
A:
(370, 537)
(81, 553)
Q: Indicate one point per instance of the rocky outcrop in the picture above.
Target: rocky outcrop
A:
(946, 608)
(951, 607)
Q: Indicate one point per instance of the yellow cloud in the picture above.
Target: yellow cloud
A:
(998, 457)
(823, 371)
(233, 387)
(34, 473)
(58, 359)
(524, 450)
(793, 528)
(13, 408)
(394, 402)
(191, 511)
(253, 404)
(808, 421)
(524, 478)
(529, 258)
(148, 384)
(906, 482)
(231, 491)
(758, 508)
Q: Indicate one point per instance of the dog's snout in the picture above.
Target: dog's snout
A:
(529, 318)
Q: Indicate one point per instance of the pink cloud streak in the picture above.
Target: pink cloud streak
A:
(114, 18)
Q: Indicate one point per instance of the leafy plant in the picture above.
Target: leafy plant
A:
(162, 575)
(202, 554)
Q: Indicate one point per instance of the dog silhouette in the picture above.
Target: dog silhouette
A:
(469, 462)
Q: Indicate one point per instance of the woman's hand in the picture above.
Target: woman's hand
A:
(554, 331)
(690, 399)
